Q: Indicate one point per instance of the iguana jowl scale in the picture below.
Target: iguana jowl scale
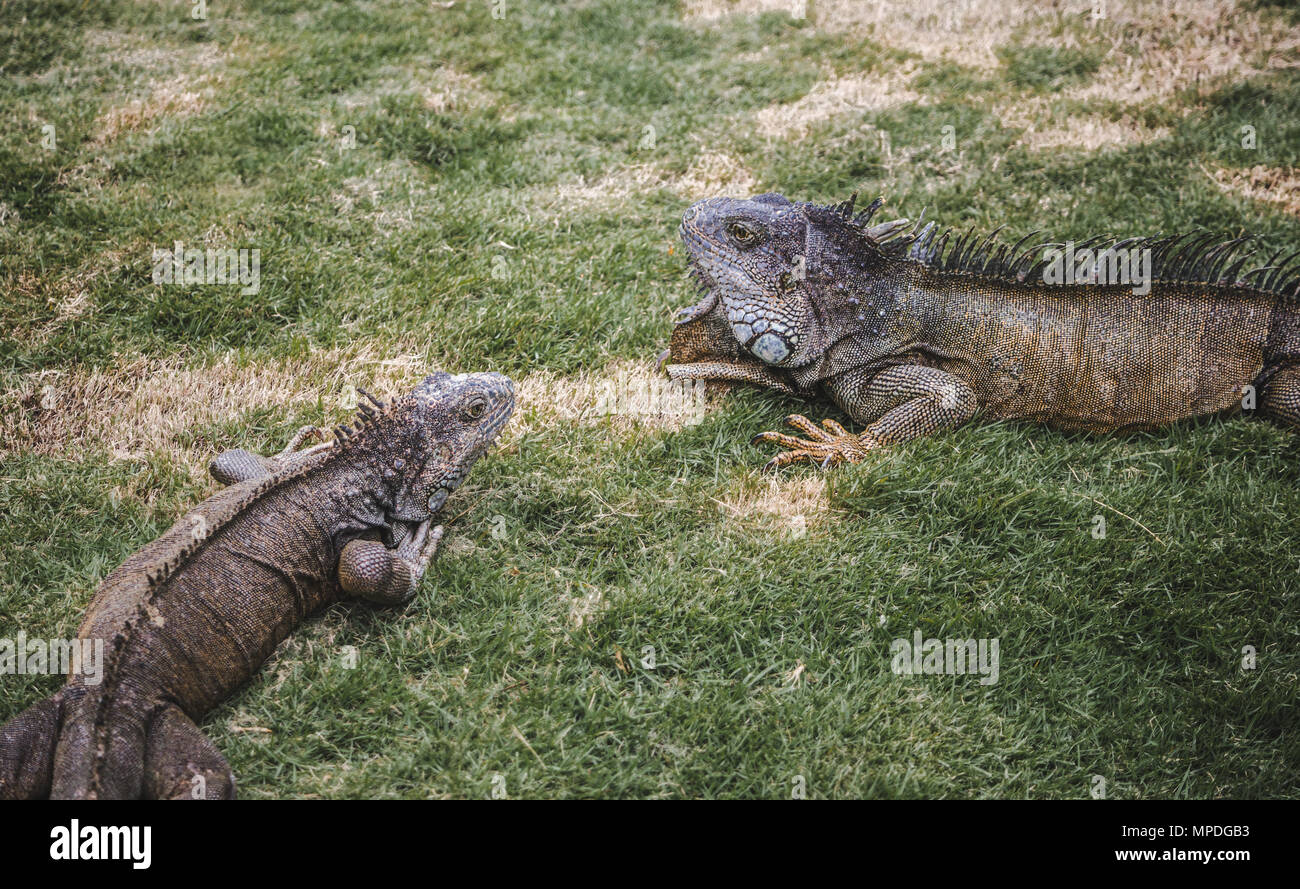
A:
(193, 615)
(912, 333)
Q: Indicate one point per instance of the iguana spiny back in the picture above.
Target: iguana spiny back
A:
(192, 616)
(911, 332)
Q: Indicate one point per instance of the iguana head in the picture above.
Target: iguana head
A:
(748, 256)
(773, 272)
(425, 443)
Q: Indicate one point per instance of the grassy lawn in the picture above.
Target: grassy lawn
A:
(628, 606)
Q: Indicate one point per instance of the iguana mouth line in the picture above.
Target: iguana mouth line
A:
(705, 283)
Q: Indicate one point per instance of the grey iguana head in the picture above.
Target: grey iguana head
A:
(748, 254)
(425, 443)
(767, 265)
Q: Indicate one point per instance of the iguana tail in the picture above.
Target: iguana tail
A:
(48, 750)
(65, 748)
(27, 745)
(100, 751)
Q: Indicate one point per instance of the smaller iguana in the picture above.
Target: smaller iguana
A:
(192, 616)
(912, 333)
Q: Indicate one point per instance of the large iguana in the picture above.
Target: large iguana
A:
(192, 616)
(912, 333)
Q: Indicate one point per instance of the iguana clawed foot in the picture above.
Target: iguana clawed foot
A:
(372, 571)
(828, 445)
(418, 549)
(239, 465)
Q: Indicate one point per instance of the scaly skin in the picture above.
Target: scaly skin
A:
(910, 342)
(193, 615)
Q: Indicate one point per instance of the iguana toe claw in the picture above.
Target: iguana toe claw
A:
(431, 545)
(785, 441)
(427, 546)
(807, 427)
(415, 542)
(828, 446)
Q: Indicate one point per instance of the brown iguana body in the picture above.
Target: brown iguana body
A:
(910, 341)
(192, 616)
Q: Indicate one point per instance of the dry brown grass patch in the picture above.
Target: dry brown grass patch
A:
(611, 188)
(628, 396)
(1276, 186)
(148, 405)
(1171, 46)
(713, 173)
(171, 99)
(1158, 47)
(169, 81)
(140, 53)
(710, 174)
(1090, 132)
(143, 406)
(442, 89)
(967, 32)
(838, 95)
(791, 505)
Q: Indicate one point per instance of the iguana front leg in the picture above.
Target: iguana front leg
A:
(239, 465)
(372, 571)
(906, 401)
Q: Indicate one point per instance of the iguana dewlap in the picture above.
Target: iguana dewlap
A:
(911, 335)
(192, 616)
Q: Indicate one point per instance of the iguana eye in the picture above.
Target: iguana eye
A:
(475, 408)
(741, 233)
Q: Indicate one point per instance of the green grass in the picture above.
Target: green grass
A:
(1044, 68)
(1120, 657)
